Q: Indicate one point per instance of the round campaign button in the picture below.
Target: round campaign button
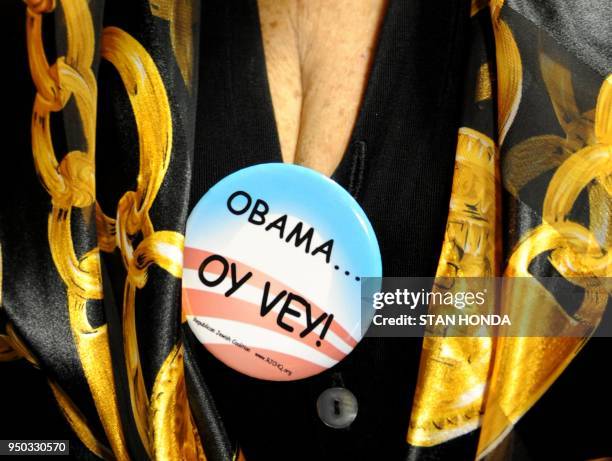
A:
(273, 262)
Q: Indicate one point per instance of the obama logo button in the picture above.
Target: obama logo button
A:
(274, 255)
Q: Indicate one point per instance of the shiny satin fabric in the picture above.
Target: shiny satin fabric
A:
(542, 173)
(91, 241)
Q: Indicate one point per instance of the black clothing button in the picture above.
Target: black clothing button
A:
(337, 407)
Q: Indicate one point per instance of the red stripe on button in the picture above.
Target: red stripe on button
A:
(209, 304)
(193, 257)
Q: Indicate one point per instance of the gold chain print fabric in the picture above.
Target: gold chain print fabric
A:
(112, 149)
(71, 184)
(470, 383)
(163, 418)
(453, 373)
(525, 367)
(163, 421)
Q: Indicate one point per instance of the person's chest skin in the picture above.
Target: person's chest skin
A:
(318, 57)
